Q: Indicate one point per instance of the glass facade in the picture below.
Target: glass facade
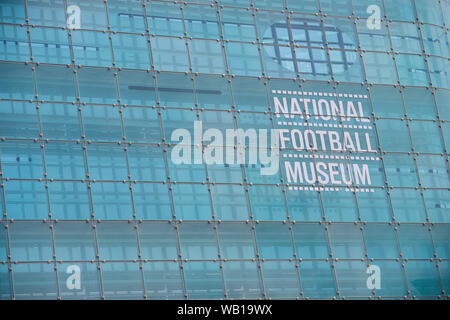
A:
(94, 206)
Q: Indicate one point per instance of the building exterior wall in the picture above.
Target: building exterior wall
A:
(92, 94)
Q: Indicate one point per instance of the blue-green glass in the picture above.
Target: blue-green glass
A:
(91, 48)
(111, 200)
(267, 203)
(12, 11)
(126, 16)
(89, 281)
(242, 280)
(351, 278)
(433, 171)
(346, 241)
(69, 200)
(152, 201)
(5, 282)
(201, 21)
(392, 280)
(14, 42)
(50, 45)
(60, 121)
(317, 279)
(34, 281)
(157, 240)
(441, 240)
(310, 241)
(122, 280)
(437, 203)
(423, 278)
(280, 279)
(412, 70)
(229, 202)
(429, 11)
(18, 119)
(163, 280)
(243, 59)
(30, 241)
(203, 280)
(408, 205)
(192, 201)
(387, 129)
(274, 240)
(236, 240)
(25, 200)
(16, 81)
(21, 159)
(415, 241)
(131, 51)
(237, 24)
(116, 240)
(198, 240)
(74, 241)
(381, 241)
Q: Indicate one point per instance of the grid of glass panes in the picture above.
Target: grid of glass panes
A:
(86, 117)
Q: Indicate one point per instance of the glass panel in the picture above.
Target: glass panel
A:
(69, 200)
(415, 241)
(317, 279)
(169, 54)
(236, 241)
(26, 200)
(241, 280)
(423, 278)
(192, 202)
(116, 240)
(30, 241)
(141, 125)
(163, 280)
(441, 240)
(136, 88)
(346, 241)
(438, 205)
(274, 240)
(126, 16)
(152, 201)
(18, 120)
(16, 81)
(203, 280)
(267, 202)
(89, 281)
(201, 21)
(352, 277)
(50, 45)
(91, 48)
(381, 241)
(74, 241)
(164, 18)
(158, 241)
(237, 24)
(122, 280)
(34, 281)
(392, 281)
(387, 129)
(131, 51)
(379, 68)
(60, 121)
(112, 201)
(311, 241)
(64, 161)
(198, 240)
(97, 85)
(280, 279)
(230, 202)
(408, 205)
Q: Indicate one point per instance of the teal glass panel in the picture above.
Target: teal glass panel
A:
(242, 280)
